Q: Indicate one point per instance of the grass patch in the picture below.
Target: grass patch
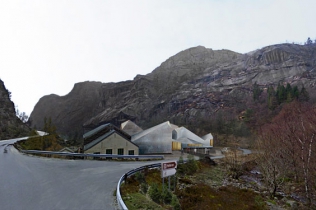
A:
(130, 186)
(202, 196)
(138, 201)
(201, 190)
(213, 175)
(153, 175)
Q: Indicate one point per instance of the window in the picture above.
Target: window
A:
(120, 151)
(130, 152)
(109, 152)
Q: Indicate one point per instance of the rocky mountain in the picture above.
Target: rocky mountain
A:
(187, 89)
(10, 125)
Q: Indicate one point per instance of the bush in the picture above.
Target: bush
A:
(144, 188)
(140, 177)
(166, 195)
(259, 202)
(192, 165)
(175, 203)
(155, 193)
(181, 160)
(188, 168)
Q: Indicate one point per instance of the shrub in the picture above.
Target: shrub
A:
(155, 193)
(259, 201)
(144, 188)
(140, 177)
(192, 165)
(188, 168)
(166, 195)
(175, 203)
(181, 160)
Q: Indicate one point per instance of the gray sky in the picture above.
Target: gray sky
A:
(47, 46)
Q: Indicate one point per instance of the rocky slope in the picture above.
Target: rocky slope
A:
(188, 88)
(10, 125)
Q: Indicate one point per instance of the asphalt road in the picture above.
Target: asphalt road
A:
(30, 182)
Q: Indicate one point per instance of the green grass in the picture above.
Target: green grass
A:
(136, 201)
(211, 175)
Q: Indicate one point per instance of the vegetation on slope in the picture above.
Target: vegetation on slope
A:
(288, 150)
(191, 192)
(235, 182)
(49, 142)
(10, 125)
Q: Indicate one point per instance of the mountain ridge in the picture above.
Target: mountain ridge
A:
(186, 88)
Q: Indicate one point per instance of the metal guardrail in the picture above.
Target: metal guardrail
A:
(93, 155)
(119, 199)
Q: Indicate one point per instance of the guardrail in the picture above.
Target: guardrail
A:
(93, 155)
(119, 199)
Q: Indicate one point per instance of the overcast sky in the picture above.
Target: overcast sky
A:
(47, 46)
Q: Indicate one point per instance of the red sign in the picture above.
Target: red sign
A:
(168, 168)
(169, 165)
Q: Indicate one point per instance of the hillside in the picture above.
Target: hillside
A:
(10, 125)
(198, 87)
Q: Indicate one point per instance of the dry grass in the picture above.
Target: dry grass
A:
(203, 190)
(202, 196)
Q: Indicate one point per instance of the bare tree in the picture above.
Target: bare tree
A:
(287, 146)
(269, 160)
(22, 116)
(234, 158)
(303, 131)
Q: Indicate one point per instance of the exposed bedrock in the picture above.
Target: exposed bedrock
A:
(188, 86)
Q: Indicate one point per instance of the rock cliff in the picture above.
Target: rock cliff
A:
(10, 125)
(188, 88)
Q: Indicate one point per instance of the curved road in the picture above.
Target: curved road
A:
(29, 182)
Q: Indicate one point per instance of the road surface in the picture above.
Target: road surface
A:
(29, 182)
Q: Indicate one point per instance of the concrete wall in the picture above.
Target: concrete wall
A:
(113, 142)
(155, 140)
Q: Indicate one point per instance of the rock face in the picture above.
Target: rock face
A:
(186, 88)
(10, 125)
(70, 111)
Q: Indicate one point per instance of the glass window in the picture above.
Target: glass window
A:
(120, 151)
(108, 151)
(131, 152)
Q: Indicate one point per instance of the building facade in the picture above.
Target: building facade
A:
(108, 139)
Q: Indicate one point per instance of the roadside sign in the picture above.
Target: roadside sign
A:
(168, 168)
(167, 173)
(169, 165)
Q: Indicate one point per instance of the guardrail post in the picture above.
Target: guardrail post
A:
(125, 178)
(146, 170)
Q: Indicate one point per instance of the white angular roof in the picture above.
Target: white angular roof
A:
(157, 139)
(207, 136)
(130, 127)
(186, 136)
